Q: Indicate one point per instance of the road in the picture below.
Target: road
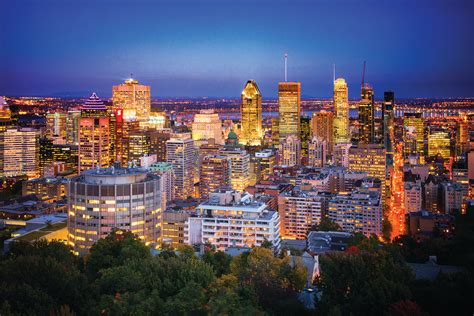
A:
(396, 204)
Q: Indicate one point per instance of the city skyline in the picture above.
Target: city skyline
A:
(182, 50)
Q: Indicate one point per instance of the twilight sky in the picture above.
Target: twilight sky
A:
(418, 48)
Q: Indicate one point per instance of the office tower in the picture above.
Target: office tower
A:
(207, 125)
(462, 133)
(439, 143)
(305, 137)
(299, 210)
(275, 131)
(19, 151)
(94, 138)
(158, 139)
(470, 131)
(251, 112)
(5, 115)
(413, 133)
(369, 158)
(180, 153)
(166, 172)
(289, 108)
(124, 127)
(290, 151)
(72, 126)
(214, 174)
(262, 164)
(56, 127)
(358, 211)
(133, 98)
(388, 128)
(158, 120)
(239, 162)
(341, 112)
(367, 116)
(317, 152)
(102, 200)
(250, 222)
(322, 127)
(138, 145)
(451, 197)
(45, 154)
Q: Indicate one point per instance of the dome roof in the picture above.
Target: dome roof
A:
(232, 135)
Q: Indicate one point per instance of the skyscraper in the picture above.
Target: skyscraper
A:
(387, 119)
(367, 115)
(19, 150)
(439, 143)
(289, 108)
(94, 135)
(206, 126)
(341, 112)
(317, 151)
(413, 133)
(239, 162)
(56, 127)
(290, 151)
(72, 126)
(251, 112)
(133, 98)
(180, 153)
(214, 174)
(322, 127)
(305, 137)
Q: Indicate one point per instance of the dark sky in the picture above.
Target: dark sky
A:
(418, 48)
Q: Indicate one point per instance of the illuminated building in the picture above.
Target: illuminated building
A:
(158, 141)
(133, 98)
(388, 128)
(206, 126)
(341, 154)
(371, 159)
(94, 135)
(432, 194)
(413, 133)
(72, 126)
(173, 228)
(451, 197)
(317, 151)
(180, 153)
(412, 197)
(214, 174)
(367, 116)
(290, 151)
(341, 112)
(322, 127)
(358, 211)
(138, 145)
(299, 210)
(275, 132)
(157, 120)
(166, 172)
(102, 200)
(251, 113)
(56, 124)
(239, 162)
(19, 150)
(5, 115)
(439, 143)
(48, 189)
(305, 137)
(124, 127)
(261, 165)
(232, 219)
(289, 108)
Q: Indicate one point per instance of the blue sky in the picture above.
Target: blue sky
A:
(418, 48)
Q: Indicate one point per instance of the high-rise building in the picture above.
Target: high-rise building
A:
(166, 172)
(180, 153)
(341, 112)
(5, 115)
(369, 158)
(56, 127)
(214, 174)
(413, 133)
(388, 127)
(251, 112)
(72, 126)
(133, 98)
(124, 127)
(289, 109)
(290, 151)
(305, 137)
(367, 116)
(239, 162)
(94, 138)
(233, 219)
(412, 197)
(261, 165)
(275, 131)
(206, 126)
(439, 143)
(138, 145)
(173, 228)
(317, 152)
(19, 151)
(101, 200)
(322, 127)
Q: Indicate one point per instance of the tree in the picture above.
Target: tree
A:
(219, 261)
(326, 224)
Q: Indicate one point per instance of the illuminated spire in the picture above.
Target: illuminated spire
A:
(94, 103)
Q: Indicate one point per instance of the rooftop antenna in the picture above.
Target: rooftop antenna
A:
(363, 76)
(286, 67)
(131, 75)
